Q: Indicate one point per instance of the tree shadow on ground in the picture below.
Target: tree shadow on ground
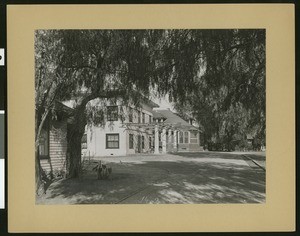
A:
(210, 155)
(214, 183)
(163, 182)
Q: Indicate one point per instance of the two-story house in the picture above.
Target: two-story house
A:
(130, 130)
(127, 130)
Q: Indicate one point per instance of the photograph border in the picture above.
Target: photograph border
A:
(278, 19)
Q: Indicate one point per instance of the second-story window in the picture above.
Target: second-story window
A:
(143, 117)
(112, 113)
(130, 114)
(139, 116)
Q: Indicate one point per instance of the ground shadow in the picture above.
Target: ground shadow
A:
(178, 181)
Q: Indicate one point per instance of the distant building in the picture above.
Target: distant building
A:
(180, 134)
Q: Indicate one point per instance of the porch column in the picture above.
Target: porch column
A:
(163, 139)
(175, 140)
(156, 140)
(169, 146)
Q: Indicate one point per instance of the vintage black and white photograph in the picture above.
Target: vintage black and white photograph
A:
(150, 116)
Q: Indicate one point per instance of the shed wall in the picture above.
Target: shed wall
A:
(57, 147)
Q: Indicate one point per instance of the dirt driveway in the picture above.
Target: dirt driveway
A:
(204, 177)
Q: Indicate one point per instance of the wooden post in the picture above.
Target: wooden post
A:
(163, 139)
(175, 140)
(156, 140)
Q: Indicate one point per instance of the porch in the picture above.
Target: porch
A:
(166, 138)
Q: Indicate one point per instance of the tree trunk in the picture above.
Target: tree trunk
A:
(74, 137)
(76, 131)
(39, 183)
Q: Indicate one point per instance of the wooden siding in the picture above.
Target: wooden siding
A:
(57, 147)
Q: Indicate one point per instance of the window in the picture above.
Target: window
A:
(143, 117)
(112, 141)
(44, 144)
(150, 119)
(180, 137)
(186, 137)
(150, 142)
(143, 142)
(139, 116)
(84, 141)
(112, 113)
(131, 140)
(193, 137)
(130, 114)
(172, 137)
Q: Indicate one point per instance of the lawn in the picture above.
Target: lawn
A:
(204, 177)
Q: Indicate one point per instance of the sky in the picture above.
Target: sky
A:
(163, 103)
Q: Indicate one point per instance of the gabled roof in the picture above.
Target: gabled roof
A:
(65, 111)
(59, 106)
(149, 102)
(172, 118)
(157, 115)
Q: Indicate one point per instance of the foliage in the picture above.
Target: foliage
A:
(84, 65)
(228, 98)
(217, 76)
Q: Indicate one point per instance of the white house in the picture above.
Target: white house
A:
(129, 130)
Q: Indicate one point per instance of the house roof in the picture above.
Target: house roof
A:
(65, 111)
(62, 107)
(149, 102)
(157, 115)
(172, 118)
